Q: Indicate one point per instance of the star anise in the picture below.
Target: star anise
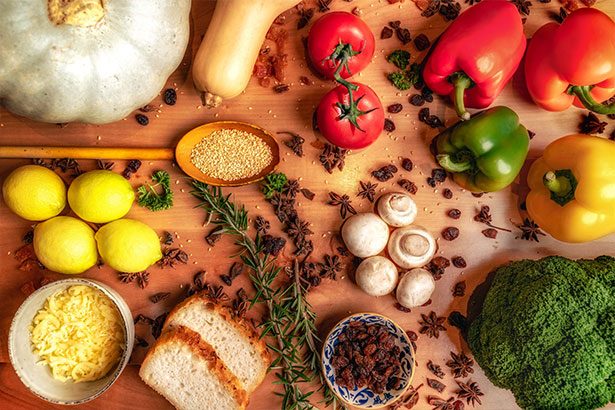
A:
(43, 163)
(332, 157)
(484, 216)
(469, 391)
(216, 293)
(435, 369)
(344, 202)
(523, 6)
(305, 15)
(409, 400)
(439, 403)
(295, 143)
(127, 277)
(292, 188)
(106, 165)
(432, 324)
(530, 230)
(159, 297)
(142, 279)
(283, 207)
(323, 5)
(367, 191)
(240, 304)
(591, 124)
(298, 229)
(172, 256)
(262, 225)
(235, 271)
(167, 238)
(461, 365)
(330, 266)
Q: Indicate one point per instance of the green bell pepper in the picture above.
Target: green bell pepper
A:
(486, 152)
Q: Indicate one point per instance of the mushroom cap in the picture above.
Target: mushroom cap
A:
(397, 209)
(365, 234)
(411, 246)
(415, 288)
(377, 276)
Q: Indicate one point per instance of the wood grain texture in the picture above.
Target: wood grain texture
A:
(293, 111)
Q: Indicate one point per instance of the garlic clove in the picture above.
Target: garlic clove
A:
(411, 247)
(415, 288)
(397, 209)
(377, 276)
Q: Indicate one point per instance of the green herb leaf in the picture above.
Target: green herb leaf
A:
(274, 183)
(399, 58)
(149, 196)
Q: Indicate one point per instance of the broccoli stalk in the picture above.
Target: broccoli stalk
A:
(547, 332)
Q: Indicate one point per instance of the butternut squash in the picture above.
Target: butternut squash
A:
(223, 64)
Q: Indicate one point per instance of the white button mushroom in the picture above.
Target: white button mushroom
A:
(411, 246)
(397, 209)
(376, 276)
(415, 288)
(365, 234)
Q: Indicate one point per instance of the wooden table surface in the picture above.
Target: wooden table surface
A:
(292, 111)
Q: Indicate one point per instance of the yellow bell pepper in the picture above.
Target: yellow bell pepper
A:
(572, 188)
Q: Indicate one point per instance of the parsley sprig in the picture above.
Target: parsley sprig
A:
(150, 198)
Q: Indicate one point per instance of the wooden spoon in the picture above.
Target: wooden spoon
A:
(181, 153)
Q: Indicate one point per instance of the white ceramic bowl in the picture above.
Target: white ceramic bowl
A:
(37, 377)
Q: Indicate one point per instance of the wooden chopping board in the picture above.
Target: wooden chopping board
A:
(292, 111)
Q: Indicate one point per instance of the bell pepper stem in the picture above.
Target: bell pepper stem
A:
(583, 93)
(461, 82)
(562, 184)
(448, 164)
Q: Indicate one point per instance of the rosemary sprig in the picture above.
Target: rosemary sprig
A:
(281, 322)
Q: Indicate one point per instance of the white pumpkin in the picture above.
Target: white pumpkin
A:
(92, 61)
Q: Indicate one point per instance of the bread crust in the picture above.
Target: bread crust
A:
(181, 334)
(241, 325)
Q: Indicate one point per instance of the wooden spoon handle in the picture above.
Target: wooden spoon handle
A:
(87, 153)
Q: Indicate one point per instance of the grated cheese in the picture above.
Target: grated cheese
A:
(78, 334)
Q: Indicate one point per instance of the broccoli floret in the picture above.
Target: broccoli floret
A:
(400, 58)
(403, 80)
(547, 332)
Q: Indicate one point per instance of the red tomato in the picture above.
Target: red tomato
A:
(335, 119)
(334, 38)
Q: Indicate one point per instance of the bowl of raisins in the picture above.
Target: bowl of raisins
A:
(368, 361)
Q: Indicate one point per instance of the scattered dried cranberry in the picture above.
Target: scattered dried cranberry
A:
(423, 114)
(459, 262)
(408, 186)
(490, 233)
(385, 173)
(421, 42)
(447, 193)
(459, 290)
(454, 213)
(281, 88)
(389, 126)
(386, 33)
(451, 233)
(417, 100)
(402, 308)
(395, 108)
(407, 164)
(142, 119)
(170, 96)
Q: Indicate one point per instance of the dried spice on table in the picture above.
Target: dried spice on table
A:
(470, 392)
(454, 213)
(450, 234)
(216, 293)
(408, 185)
(436, 385)
(367, 191)
(406, 163)
(386, 32)
(529, 230)
(167, 238)
(389, 125)
(447, 193)
(413, 337)
(438, 176)
(409, 400)
(142, 119)
(234, 272)
(591, 124)
(159, 297)
(172, 256)
(459, 290)
(295, 143)
(344, 202)
(385, 173)
(437, 266)
(104, 165)
(484, 216)
(490, 233)
(170, 96)
(459, 262)
(439, 403)
(523, 6)
(213, 236)
(435, 369)
(432, 324)
(460, 365)
(421, 42)
(131, 168)
(332, 157)
(395, 108)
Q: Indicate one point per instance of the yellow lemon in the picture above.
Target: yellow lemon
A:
(66, 245)
(34, 192)
(127, 245)
(100, 196)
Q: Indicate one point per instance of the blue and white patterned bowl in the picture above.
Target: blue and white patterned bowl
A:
(365, 398)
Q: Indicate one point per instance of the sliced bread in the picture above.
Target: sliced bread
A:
(188, 373)
(235, 342)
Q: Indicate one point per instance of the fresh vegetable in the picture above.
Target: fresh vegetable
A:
(365, 234)
(477, 55)
(274, 183)
(573, 63)
(399, 58)
(88, 60)
(350, 116)
(223, 64)
(411, 246)
(404, 80)
(340, 42)
(547, 332)
(415, 288)
(485, 153)
(572, 196)
(376, 276)
(149, 196)
(397, 209)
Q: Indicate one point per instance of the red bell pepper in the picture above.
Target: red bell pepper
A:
(477, 55)
(573, 63)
